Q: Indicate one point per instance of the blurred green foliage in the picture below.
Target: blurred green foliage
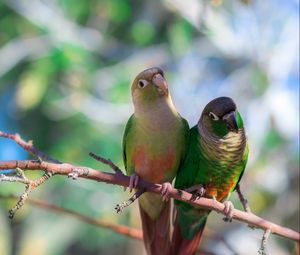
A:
(65, 72)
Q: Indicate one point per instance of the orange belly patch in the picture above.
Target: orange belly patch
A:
(154, 168)
(220, 192)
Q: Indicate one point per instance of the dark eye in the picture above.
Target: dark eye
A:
(142, 83)
(213, 116)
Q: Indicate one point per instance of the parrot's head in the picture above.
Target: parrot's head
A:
(221, 116)
(149, 86)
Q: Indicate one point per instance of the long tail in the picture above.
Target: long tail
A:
(157, 232)
(186, 245)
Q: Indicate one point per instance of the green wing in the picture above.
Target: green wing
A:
(244, 163)
(188, 170)
(190, 219)
(186, 131)
(125, 137)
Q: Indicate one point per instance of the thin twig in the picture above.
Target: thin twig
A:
(106, 162)
(131, 232)
(20, 202)
(28, 146)
(243, 200)
(266, 235)
(117, 228)
(120, 229)
(30, 186)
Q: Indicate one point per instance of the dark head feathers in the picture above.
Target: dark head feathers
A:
(220, 106)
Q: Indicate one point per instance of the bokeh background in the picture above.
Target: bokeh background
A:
(65, 71)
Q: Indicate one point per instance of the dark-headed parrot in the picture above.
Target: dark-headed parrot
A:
(216, 158)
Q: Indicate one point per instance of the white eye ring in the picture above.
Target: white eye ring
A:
(142, 83)
(213, 116)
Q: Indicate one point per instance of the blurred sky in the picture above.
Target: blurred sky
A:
(65, 71)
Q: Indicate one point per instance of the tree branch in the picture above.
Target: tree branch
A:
(122, 180)
(134, 233)
(120, 229)
(28, 146)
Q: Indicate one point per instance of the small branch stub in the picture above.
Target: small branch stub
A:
(266, 235)
(243, 200)
(106, 162)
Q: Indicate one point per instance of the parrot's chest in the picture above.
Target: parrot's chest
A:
(223, 165)
(154, 167)
(155, 150)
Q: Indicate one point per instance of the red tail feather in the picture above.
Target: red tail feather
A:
(182, 246)
(157, 232)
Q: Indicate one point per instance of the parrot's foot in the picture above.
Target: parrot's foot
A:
(197, 191)
(166, 187)
(133, 182)
(228, 210)
(120, 207)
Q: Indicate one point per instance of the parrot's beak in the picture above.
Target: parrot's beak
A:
(230, 120)
(160, 82)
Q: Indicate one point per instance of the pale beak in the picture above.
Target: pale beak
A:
(160, 82)
(230, 120)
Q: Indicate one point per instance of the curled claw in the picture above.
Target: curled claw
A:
(120, 207)
(165, 191)
(197, 191)
(228, 210)
(133, 182)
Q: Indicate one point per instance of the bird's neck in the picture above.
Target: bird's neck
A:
(222, 148)
(159, 114)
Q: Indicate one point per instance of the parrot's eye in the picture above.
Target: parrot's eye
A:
(142, 83)
(213, 116)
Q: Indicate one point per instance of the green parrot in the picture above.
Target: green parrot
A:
(154, 145)
(216, 158)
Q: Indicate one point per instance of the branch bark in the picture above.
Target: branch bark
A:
(123, 180)
(118, 178)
